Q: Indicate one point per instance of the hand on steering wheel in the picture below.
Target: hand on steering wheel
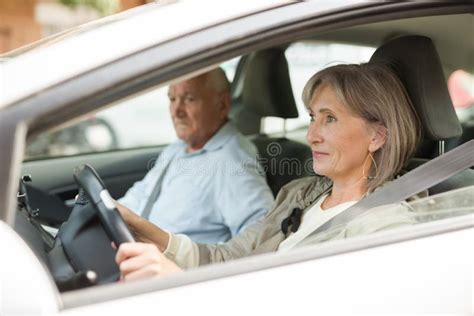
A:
(103, 203)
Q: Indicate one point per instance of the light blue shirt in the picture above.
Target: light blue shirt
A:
(209, 195)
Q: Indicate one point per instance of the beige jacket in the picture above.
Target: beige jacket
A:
(266, 235)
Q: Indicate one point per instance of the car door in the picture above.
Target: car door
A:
(198, 56)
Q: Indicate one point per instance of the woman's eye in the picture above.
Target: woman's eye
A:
(330, 119)
(311, 118)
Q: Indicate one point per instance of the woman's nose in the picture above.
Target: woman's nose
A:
(314, 133)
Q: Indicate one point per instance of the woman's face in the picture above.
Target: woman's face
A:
(339, 140)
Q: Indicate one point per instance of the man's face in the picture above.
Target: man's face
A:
(197, 111)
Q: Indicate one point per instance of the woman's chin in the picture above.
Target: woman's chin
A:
(320, 171)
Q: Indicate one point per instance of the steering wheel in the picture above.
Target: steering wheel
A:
(81, 254)
(103, 203)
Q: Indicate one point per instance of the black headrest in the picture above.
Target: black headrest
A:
(416, 62)
(267, 86)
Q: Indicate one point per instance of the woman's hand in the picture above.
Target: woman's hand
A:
(143, 230)
(126, 213)
(132, 220)
(142, 260)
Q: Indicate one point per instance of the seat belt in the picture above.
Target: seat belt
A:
(156, 191)
(425, 176)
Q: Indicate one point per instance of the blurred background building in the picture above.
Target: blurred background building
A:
(25, 21)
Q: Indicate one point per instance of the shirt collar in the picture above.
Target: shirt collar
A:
(221, 137)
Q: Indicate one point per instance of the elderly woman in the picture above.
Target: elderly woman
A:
(362, 131)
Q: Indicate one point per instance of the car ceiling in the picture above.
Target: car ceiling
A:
(452, 35)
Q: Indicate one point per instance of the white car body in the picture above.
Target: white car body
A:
(334, 284)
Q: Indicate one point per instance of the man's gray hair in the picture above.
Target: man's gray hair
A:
(217, 80)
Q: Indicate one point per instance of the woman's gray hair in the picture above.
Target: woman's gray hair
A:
(374, 93)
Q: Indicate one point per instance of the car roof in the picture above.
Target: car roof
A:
(455, 48)
(63, 56)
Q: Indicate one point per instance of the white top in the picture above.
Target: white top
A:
(311, 220)
(187, 253)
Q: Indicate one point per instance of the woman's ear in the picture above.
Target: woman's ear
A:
(379, 138)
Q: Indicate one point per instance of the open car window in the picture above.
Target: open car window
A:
(139, 121)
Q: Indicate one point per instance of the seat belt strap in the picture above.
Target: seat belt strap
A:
(425, 176)
(156, 191)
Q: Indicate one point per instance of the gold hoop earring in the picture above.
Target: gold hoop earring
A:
(369, 177)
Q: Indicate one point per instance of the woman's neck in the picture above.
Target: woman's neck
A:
(343, 192)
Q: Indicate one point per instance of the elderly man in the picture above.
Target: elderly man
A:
(208, 185)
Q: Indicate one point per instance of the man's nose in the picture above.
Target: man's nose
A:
(314, 133)
(178, 108)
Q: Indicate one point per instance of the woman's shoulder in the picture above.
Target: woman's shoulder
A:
(303, 183)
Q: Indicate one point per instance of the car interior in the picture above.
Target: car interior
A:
(417, 49)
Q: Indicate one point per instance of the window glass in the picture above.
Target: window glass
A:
(140, 121)
(454, 203)
(305, 59)
(444, 205)
(461, 89)
(230, 67)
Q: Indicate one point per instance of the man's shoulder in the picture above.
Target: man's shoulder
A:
(238, 145)
(166, 154)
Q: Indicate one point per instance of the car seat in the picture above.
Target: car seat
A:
(266, 91)
(415, 60)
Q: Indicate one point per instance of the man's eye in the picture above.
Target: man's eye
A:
(172, 99)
